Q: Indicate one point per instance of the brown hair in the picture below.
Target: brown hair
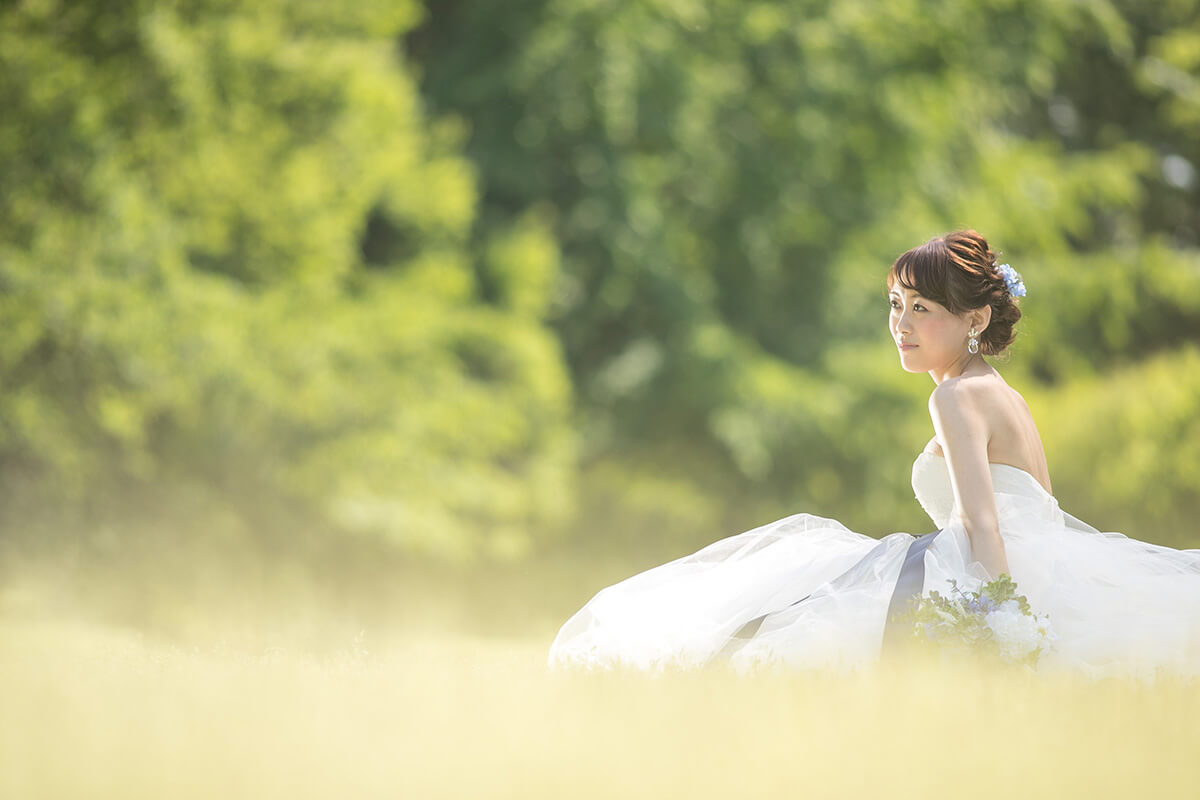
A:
(958, 271)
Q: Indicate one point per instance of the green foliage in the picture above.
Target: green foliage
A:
(234, 256)
(1124, 447)
(416, 270)
(731, 180)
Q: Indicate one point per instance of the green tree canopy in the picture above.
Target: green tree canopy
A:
(733, 178)
(416, 270)
(233, 252)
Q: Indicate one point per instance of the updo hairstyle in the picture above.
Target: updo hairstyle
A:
(958, 271)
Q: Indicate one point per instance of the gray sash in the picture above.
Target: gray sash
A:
(912, 579)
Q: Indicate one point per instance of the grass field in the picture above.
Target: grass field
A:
(90, 711)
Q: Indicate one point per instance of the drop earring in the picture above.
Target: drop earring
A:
(973, 341)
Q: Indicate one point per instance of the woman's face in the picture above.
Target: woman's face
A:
(928, 336)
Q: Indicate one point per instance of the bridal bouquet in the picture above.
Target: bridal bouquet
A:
(994, 621)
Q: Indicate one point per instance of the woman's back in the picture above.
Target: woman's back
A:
(1013, 437)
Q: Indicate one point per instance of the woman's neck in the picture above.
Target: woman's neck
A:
(972, 364)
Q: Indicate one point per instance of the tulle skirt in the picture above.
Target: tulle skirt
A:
(806, 592)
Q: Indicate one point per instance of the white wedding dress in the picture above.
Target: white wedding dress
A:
(819, 594)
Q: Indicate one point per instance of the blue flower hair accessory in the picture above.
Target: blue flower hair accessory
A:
(1012, 279)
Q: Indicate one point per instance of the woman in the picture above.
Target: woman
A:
(807, 592)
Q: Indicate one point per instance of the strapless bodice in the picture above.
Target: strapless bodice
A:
(931, 482)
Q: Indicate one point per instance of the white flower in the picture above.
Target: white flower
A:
(1017, 634)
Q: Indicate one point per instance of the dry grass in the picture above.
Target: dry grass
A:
(93, 712)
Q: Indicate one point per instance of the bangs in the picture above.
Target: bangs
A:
(924, 270)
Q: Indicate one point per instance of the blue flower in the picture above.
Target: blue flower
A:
(979, 605)
(1012, 279)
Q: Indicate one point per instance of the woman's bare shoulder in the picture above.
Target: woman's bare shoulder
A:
(967, 393)
(998, 414)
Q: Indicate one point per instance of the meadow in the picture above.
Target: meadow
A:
(96, 711)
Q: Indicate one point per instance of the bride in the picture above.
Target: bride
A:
(805, 591)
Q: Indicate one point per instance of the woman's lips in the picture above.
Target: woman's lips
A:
(906, 346)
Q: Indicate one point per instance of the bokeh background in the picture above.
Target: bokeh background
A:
(318, 318)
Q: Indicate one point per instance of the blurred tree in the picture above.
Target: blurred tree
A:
(233, 258)
(1124, 448)
(266, 257)
(732, 178)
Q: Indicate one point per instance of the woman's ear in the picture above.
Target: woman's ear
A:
(981, 318)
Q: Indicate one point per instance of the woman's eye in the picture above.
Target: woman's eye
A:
(919, 307)
(894, 304)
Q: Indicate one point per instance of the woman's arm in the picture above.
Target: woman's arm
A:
(961, 427)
